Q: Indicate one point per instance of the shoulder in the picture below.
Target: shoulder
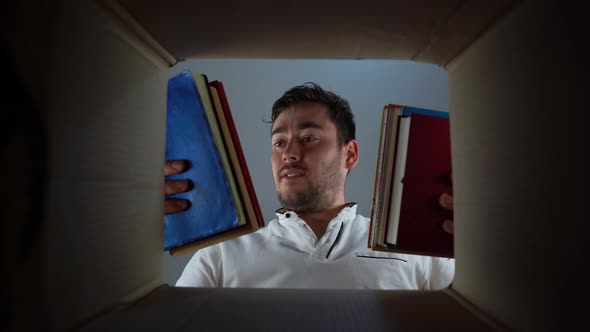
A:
(206, 266)
(431, 261)
(361, 221)
(428, 263)
(359, 227)
(438, 272)
(203, 269)
(210, 254)
(251, 239)
(362, 218)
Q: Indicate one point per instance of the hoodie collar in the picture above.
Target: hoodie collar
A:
(348, 212)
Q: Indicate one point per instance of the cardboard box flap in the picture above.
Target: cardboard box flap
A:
(426, 31)
(102, 229)
(181, 309)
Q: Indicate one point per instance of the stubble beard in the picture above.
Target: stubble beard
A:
(320, 196)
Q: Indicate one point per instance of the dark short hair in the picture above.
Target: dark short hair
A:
(338, 107)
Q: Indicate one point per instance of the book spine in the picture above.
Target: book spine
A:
(378, 172)
(239, 151)
(232, 154)
(189, 136)
(392, 225)
(386, 181)
(203, 88)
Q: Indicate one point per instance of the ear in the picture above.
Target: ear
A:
(351, 152)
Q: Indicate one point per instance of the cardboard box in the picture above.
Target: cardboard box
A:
(515, 73)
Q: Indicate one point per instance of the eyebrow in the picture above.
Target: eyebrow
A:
(301, 126)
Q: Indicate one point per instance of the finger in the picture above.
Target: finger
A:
(448, 226)
(446, 201)
(175, 167)
(175, 205)
(177, 186)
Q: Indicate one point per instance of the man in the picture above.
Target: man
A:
(318, 240)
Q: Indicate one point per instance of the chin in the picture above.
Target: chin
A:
(289, 199)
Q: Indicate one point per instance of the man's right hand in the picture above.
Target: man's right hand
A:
(176, 186)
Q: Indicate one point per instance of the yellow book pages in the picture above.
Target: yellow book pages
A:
(386, 175)
(234, 160)
(377, 185)
(203, 88)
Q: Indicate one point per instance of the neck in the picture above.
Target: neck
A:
(318, 220)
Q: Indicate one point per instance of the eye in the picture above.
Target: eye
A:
(277, 144)
(309, 139)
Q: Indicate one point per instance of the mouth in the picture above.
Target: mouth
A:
(291, 174)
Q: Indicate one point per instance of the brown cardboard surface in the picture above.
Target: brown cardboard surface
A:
(426, 31)
(105, 120)
(23, 171)
(187, 309)
(518, 233)
(519, 123)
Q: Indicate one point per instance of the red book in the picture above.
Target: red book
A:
(427, 176)
(239, 152)
(420, 173)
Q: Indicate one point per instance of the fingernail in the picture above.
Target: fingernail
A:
(183, 204)
(179, 185)
(448, 226)
(176, 165)
(447, 199)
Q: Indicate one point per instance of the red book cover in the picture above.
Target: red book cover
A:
(426, 177)
(236, 140)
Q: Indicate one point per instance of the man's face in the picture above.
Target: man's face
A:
(308, 165)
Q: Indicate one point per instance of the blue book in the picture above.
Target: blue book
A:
(189, 137)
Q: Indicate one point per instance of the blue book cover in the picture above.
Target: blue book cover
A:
(189, 137)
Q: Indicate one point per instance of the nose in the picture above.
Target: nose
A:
(292, 152)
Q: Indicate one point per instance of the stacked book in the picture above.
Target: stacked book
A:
(201, 130)
(413, 171)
